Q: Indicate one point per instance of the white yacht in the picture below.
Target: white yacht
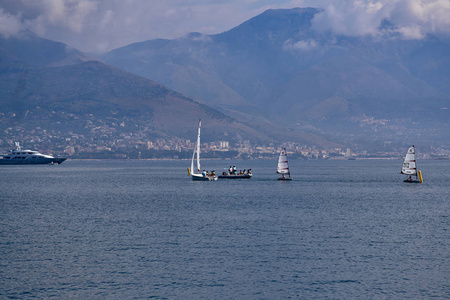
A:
(25, 157)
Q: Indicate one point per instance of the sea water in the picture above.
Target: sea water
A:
(118, 229)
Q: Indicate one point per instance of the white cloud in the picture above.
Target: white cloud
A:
(413, 19)
(107, 18)
(9, 24)
(42, 16)
(303, 45)
(101, 25)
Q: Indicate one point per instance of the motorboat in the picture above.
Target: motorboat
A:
(232, 173)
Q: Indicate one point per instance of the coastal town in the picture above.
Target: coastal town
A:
(90, 137)
(106, 144)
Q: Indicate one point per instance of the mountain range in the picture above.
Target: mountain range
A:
(39, 76)
(278, 67)
(271, 79)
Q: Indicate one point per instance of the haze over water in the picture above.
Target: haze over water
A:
(142, 229)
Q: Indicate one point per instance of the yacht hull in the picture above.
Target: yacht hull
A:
(32, 161)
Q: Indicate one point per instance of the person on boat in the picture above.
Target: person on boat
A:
(410, 178)
(249, 171)
(230, 170)
(204, 173)
(282, 176)
(234, 170)
(245, 171)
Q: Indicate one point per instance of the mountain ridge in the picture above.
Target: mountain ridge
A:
(30, 49)
(277, 66)
(271, 79)
(31, 90)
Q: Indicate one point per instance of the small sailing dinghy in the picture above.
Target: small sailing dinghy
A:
(409, 167)
(283, 167)
(197, 174)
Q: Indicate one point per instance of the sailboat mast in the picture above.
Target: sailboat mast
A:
(287, 165)
(415, 163)
(198, 145)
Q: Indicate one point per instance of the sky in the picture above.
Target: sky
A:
(101, 25)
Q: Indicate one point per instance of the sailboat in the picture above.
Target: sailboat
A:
(409, 167)
(197, 174)
(283, 167)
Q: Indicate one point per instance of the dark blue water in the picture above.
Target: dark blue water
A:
(143, 229)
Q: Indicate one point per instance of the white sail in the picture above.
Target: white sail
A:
(192, 161)
(198, 146)
(409, 162)
(196, 150)
(197, 174)
(283, 167)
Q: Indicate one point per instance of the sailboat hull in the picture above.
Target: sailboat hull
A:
(200, 177)
(284, 179)
(411, 181)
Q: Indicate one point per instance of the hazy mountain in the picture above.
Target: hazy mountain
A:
(106, 92)
(28, 48)
(69, 97)
(276, 66)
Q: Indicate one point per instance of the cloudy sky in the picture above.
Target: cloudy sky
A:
(102, 25)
